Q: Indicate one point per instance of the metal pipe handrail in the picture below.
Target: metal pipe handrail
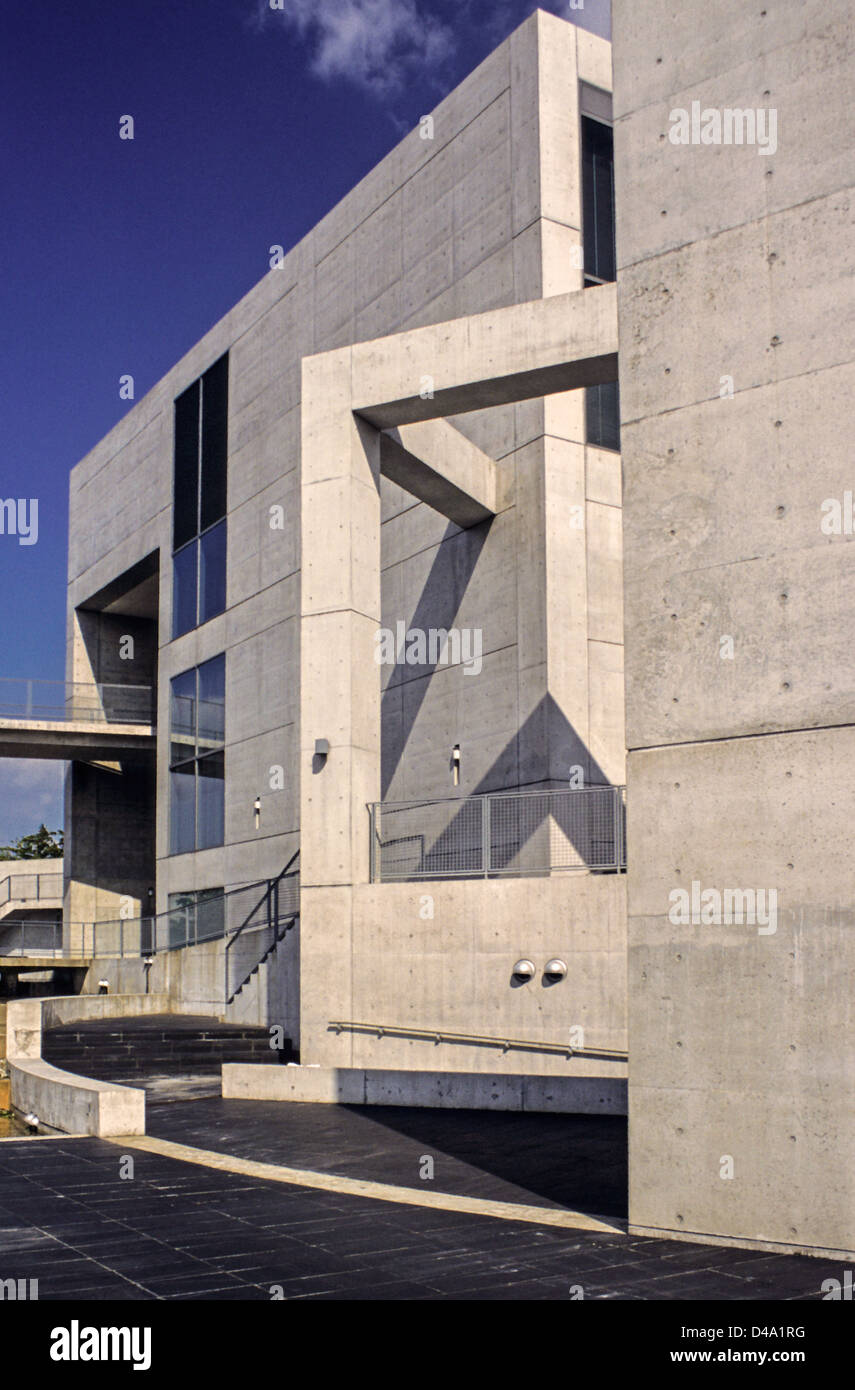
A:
(272, 890)
(439, 1035)
(492, 796)
(76, 701)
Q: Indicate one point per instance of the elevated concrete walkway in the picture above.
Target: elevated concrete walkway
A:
(73, 740)
(27, 908)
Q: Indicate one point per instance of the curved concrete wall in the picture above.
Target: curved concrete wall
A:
(63, 1102)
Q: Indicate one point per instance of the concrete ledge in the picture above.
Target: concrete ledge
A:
(74, 1008)
(569, 1095)
(72, 1104)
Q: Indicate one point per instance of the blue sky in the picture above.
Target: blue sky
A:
(249, 124)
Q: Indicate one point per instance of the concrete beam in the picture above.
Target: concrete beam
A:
(440, 466)
(526, 350)
(73, 740)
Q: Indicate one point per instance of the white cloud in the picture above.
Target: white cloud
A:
(375, 44)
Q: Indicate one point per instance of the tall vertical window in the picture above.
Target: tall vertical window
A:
(602, 415)
(199, 499)
(598, 201)
(197, 758)
(602, 405)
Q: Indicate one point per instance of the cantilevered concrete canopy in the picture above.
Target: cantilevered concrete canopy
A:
(73, 740)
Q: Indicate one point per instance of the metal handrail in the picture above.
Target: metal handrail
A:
(439, 1035)
(76, 701)
(14, 880)
(271, 889)
(275, 926)
(493, 796)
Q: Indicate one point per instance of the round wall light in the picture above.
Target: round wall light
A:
(555, 969)
(523, 970)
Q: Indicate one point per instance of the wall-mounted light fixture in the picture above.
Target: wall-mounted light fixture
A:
(455, 764)
(257, 812)
(523, 970)
(555, 969)
(322, 747)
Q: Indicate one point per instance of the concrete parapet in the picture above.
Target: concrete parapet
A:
(70, 1104)
(579, 1095)
(64, 1102)
(76, 1007)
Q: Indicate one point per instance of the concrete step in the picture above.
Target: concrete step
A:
(126, 1049)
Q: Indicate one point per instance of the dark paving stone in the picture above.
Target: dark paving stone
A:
(244, 1292)
(197, 1282)
(576, 1161)
(180, 1233)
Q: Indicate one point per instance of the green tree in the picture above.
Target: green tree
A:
(44, 844)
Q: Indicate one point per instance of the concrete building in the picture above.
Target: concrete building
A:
(363, 548)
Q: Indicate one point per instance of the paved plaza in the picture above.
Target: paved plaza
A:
(193, 1230)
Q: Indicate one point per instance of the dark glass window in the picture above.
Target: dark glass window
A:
(182, 809)
(212, 572)
(598, 201)
(200, 499)
(215, 411)
(210, 818)
(602, 415)
(196, 916)
(185, 584)
(185, 515)
(197, 758)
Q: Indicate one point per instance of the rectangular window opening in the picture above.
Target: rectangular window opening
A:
(197, 758)
(200, 499)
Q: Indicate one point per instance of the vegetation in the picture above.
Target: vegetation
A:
(43, 844)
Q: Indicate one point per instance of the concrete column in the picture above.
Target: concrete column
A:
(339, 686)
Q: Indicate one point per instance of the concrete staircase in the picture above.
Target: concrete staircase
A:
(131, 1049)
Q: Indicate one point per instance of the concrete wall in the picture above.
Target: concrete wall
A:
(25, 868)
(442, 1090)
(110, 815)
(63, 1102)
(440, 955)
(194, 978)
(737, 346)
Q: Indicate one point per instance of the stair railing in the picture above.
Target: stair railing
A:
(274, 924)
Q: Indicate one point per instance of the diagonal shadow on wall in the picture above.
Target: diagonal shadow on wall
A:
(438, 606)
(545, 742)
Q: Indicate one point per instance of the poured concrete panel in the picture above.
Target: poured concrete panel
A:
(736, 377)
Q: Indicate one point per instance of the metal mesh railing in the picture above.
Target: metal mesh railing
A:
(510, 833)
(251, 918)
(30, 887)
(45, 939)
(76, 701)
(201, 918)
